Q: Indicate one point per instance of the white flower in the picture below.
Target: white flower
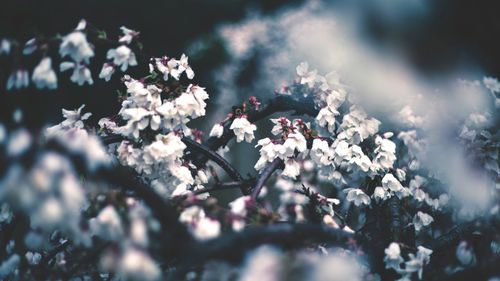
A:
(5, 46)
(306, 76)
(243, 129)
(294, 141)
(81, 73)
(137, 265)
(9, 265)
(421, 220)
(128, 35)
(292, 168)
(122, 56)
(137, 121)
(77, 47)
(107, 71)
(107, 224)
(217, 130)
(166, 148)
(407, 117)
(19, 141)
(74, 119)
(326, 117)
(380, 194)
(416, 263)
(320, 152)
(18, 79)
(268, 152)
(465, 255)
(492, 84)
(279, 123)
(419, 194)
(48, 214)
(33, 258)
(44, 76)
(386, 153)
(30, 46)
(165, 66)
(184, 66)
(389, 182)
(357, 196)
(206, 228)
(393, 257)
(239, 205)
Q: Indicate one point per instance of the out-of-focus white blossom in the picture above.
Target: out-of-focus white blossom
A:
(393, 257)
(107, 71)
(44, 76)
(417, 262)
(81, 73)
(107, 224)
(201, 226)
(357, 196)
(135, 264)
(19, 141)
(76, 46)
(9, 265)
(306, 76)
(492, 84)
(5, 46)
(18, 79)
(465, 254)
(122, 57)
(263, 264)
(420, 220)
(33, 258)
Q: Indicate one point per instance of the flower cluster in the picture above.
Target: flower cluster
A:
(415, 262)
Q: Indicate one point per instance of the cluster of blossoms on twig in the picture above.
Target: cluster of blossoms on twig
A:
(75, 53)
(136, 196)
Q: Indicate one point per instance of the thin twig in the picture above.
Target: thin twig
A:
(219, 160)
(264, 176)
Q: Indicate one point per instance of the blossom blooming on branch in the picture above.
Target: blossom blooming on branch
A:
(66, 192)
(217, 130)
(243, 129)
(393, 257)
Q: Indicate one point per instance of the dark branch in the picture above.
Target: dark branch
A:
(219, 160)
(280, 103)
(225, 186)
(264, 176)
(233, 246)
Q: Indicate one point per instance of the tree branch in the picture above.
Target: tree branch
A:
(219, 160)
(225, 186)
(264, 176)
(233, 246)
(280, 103)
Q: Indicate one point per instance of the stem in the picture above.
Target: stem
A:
(219, 160)
(264, 176)
(223, 186)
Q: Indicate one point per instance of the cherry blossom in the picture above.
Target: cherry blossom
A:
(44, 76)
(243, 129)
